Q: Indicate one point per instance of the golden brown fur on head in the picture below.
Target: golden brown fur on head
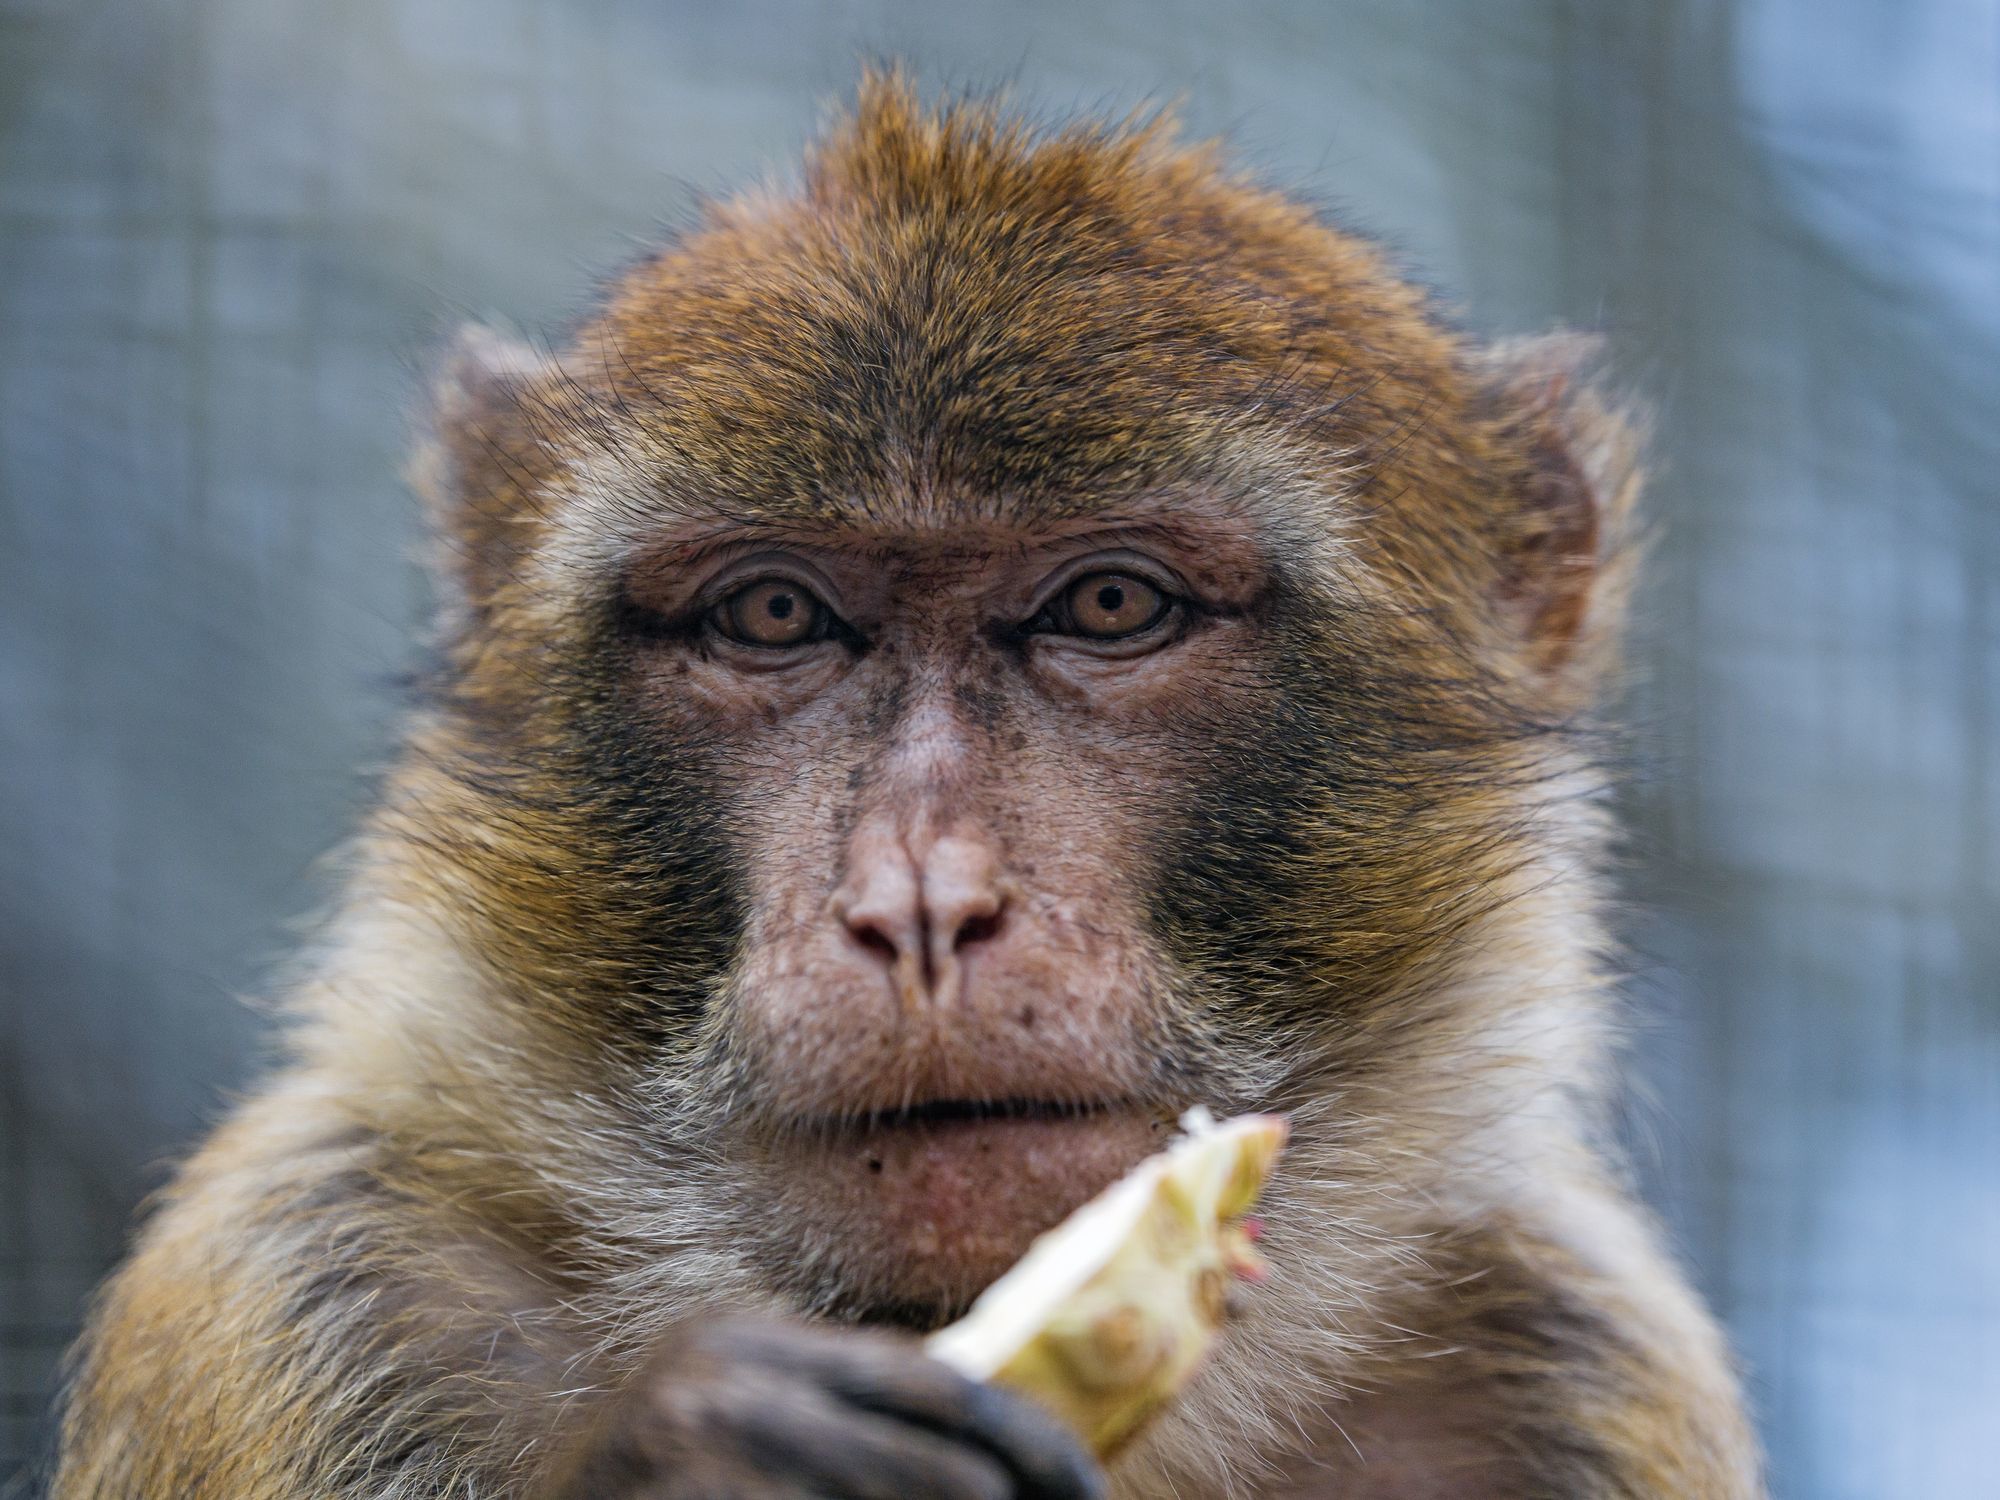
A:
(628, 1014)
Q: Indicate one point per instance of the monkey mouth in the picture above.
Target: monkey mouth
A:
(926, 1203)
(939, 1112)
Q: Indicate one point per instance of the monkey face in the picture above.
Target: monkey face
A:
(951, 755)
(951, 669)
(932, 866)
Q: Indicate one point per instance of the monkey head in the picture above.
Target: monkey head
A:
(954, 662)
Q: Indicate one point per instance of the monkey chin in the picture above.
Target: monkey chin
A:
(937, 1201)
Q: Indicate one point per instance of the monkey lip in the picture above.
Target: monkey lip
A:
(936, 1112)
(939, 1197)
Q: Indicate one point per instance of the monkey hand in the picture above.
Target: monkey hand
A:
(747, 1407)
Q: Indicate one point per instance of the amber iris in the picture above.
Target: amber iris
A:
(771, 612)
(1105, 606)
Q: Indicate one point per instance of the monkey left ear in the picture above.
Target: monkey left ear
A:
(475, 467)
(1572, 459)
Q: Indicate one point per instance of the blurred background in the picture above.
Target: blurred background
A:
(230, 229)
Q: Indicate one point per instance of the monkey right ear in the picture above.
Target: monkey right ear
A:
(1566, 545)
(475, 466)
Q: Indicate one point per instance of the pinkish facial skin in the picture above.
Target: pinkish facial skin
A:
(946, 797)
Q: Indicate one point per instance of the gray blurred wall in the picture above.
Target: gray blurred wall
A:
(230, 228)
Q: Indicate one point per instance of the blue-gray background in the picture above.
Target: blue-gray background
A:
(230, 228)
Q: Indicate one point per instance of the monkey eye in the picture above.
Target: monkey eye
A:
(1107, 606)
(772, 613)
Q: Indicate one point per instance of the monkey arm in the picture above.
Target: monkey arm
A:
(1616, 1381)
(288, 1327)
(1584, 1372)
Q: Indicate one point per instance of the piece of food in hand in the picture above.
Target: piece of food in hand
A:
(1108, 1314)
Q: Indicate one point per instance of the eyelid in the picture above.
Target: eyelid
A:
(1138, 564)
(693, 616)
(743, 572)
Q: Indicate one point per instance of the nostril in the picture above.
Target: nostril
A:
(876, 941)
(977, 929)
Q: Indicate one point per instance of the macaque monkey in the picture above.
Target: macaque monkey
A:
(954, 662)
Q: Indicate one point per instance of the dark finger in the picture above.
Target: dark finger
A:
(855, 1455)
(1045, 1458)
(892, 1376)
(1044, 1455)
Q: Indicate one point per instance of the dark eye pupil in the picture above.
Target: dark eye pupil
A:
(1111, 598)
(780, 606)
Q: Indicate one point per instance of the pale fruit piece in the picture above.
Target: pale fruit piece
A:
(1108, 1314)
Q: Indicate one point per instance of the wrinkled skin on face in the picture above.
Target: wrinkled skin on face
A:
(949, 806)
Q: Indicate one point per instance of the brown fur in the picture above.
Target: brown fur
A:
(489, 1180)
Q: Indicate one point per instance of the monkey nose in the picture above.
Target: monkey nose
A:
(918, 914)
